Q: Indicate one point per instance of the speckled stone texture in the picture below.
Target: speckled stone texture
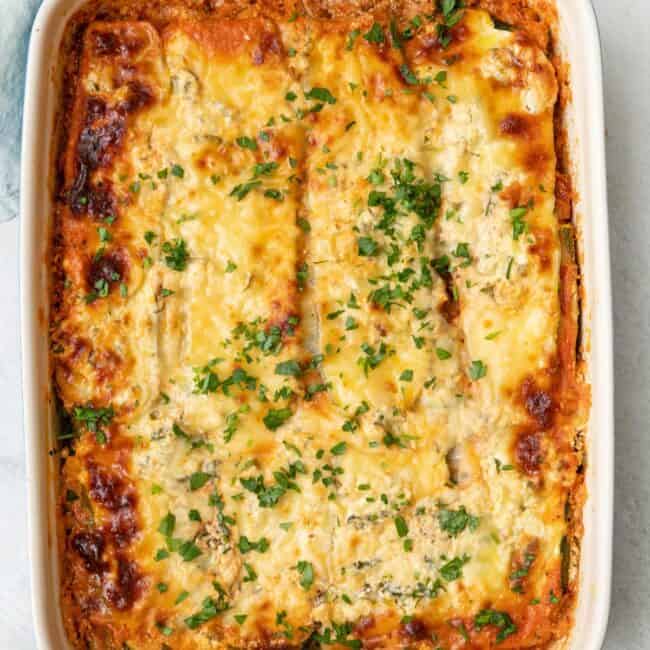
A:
(625, 31)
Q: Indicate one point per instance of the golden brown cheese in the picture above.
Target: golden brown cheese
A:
(314, 333)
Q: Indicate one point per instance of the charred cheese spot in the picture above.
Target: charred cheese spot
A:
(111, 267)
(518, 125)
(415, 630)
(127, 586)
(528, 451)
(90, 546)
(109, 489)
(123, 42)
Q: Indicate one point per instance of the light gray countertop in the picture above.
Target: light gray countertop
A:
(625, 31)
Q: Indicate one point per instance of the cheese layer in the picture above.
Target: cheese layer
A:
(307, 337)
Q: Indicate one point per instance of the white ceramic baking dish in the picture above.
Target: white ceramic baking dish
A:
(579, 35)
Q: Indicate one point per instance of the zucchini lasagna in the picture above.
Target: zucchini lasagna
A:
(314, 327)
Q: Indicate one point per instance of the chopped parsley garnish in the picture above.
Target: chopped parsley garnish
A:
(176, 254)
(195, 443)
(353, 423)
(242, 190)
(451, 16)
(94, 419)
(302, 274)
(276, 195)
(321, 95)
(181, 597)
(477, 370)
(264, 169)
(441, 264)
(519, 225)
(268, 340)
(313, 389)
(407, 375)
(443, 354)
(338, 634)
(289, 368)
(441, 78)
(455, 522)
(339, 448)
(367, 246)
(401, 527)
(306, 571)
(210, 609)
(178, 171)
(375, 34)
(408, 75)
(462, 250)
(268, 496)
(517, 576)
(352, 302)
(275, 418)
(407, 194)
(281, 620)
(499, 619)
(246, 545)
(198, 480)
(373, 356)
(247, 143)
(376, 177)
(167, 525)
(501, 467)
(205, 379)
(188, 551)
(453, 569)
(388, 296)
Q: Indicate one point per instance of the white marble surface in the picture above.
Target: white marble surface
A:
(625, 29)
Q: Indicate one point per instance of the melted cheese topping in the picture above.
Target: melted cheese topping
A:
(308, 337)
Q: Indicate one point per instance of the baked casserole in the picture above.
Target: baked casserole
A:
(315, 327)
